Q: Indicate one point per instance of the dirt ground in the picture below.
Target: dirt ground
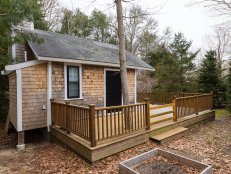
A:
(209, 143)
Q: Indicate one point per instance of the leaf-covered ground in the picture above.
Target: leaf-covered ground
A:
(209, 143)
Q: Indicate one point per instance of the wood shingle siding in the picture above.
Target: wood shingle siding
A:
(13, 98)
(58, 81)
(34, 96)
(20, 48)
(92, 84)
(131, 85)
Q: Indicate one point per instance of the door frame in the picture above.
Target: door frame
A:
(105, 92)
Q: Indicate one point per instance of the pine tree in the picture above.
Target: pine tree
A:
(209, 74)
(166, 69)
(228, 87)
(180, 48)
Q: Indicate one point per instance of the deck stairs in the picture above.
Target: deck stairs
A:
(169, 135)
(161, 115)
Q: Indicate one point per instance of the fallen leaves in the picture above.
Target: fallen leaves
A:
(209, 143)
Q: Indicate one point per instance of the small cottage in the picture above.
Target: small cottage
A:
(63, 68)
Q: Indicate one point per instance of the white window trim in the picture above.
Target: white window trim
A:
(105, 70)
(80, 80)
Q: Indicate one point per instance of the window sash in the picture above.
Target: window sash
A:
(73, 82)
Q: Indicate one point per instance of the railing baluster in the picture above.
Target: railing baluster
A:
(114, 121)
(122, 118)
(111, 120)
(98, 130)
(102, 112)
(118, 120)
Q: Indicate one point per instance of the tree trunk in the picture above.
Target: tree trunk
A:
(122, 57)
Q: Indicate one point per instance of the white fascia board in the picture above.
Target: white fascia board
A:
(23, 65)
(4, 72)
(89, 63)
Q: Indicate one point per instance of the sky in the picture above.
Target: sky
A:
(192, 20)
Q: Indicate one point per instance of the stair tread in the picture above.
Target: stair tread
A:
(169, 133)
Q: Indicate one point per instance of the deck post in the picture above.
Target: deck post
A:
(67, 116)
(147, 101)
(211, 100)
(92, 132)
(197, 105)
(174, 109)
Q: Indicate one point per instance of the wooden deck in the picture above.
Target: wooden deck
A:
(108, 147)
(96, 133)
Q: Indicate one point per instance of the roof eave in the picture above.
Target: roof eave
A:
(5, 72)
(53, 59)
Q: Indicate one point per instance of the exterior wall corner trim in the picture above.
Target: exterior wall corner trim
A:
(19, 99)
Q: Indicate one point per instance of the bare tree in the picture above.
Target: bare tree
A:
(52, 13)
(218, 8)
(220, 42)
(122, 53)
(138, 24)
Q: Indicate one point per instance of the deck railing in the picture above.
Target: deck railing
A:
(163, 97)
(97, 124)
(119, 120)
(72, 118)
(185, 106)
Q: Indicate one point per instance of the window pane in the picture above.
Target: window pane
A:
(73, 74)
(73, 82)
(73, 89)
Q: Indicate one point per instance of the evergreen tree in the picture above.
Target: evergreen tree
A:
(228, 86)
(174, 65)
(100, 24)
(180, 49)
(12, 12)
(166, 69)
(75, 24)
(208, 79)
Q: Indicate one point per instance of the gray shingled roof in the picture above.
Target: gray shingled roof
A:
(68, 47)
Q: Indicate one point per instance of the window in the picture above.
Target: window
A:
(73, 82)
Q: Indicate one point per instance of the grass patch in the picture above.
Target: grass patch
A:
(222, 113)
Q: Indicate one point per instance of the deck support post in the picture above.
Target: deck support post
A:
(174, 109)
(92, 132)
(67, 116)
(197, 105)
(212, 100)
(147, 101)
(21, 141)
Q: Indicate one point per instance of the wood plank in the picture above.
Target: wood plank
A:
(161, 106)
(170, 135)
(160, 121)
(161, 114)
